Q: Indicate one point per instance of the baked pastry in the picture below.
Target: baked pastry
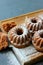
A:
(19, 36)
(38, 40)
(7, 26)
(3, 41)
(34, 24)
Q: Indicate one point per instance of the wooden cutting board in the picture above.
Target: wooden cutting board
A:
(29, 54)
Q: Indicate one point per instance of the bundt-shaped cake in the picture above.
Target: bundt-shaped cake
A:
(34, 24)
(3, 41)
(19, 36)
(38, 40)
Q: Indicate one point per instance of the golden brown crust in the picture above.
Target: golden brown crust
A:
(21, 46)
(34, 24)
(19, 36)
(3, 41)
(38, 40)
(7, 26)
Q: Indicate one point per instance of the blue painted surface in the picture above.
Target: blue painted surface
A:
(8, 58)
(12, 8)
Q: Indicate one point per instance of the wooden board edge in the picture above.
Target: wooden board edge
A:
(22, 15)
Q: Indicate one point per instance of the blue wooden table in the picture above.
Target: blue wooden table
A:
(12, 8)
